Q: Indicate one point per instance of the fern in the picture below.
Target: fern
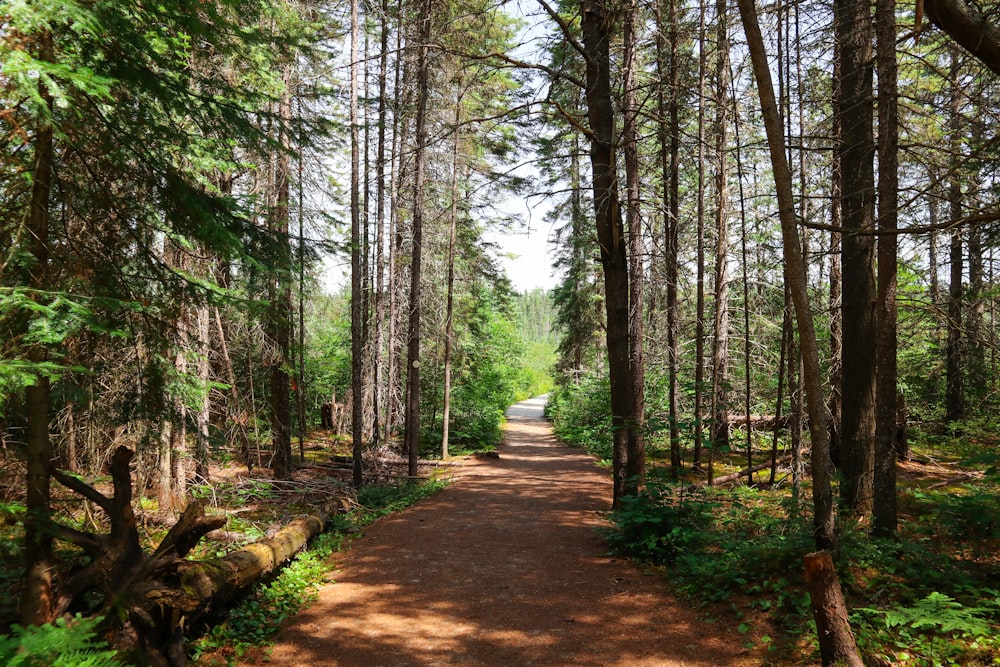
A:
(943, 614)
(61, 644)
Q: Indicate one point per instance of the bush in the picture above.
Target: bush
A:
(659, 525)
(581, 415)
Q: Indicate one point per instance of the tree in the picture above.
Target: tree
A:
(636, 454)
(412, 418)
(854, 108)
(884, 506)
(836, 641)
(595, 26)
(357, 310)
(720, 346)
(36, 600)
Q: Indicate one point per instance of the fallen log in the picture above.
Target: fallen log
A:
(761, 422)
(216, 581)
(955, 479)
(732, 477)
(155, 598)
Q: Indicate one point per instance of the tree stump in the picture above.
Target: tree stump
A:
(836, 641)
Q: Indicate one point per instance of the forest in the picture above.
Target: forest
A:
(246, 274)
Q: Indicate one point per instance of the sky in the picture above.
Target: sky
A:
(526, 253)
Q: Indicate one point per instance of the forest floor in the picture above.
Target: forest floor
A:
(506, 566)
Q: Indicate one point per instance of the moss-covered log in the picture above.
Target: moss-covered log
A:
(157, 596)
(216, 581)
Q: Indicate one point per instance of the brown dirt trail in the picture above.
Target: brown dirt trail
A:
(504, 567)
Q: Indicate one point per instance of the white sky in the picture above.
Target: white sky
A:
(526, 251)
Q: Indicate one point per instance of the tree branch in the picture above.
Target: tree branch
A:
(977, 219)
(968, 27)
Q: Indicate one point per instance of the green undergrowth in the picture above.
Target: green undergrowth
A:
(65, 643)
(257, 618)
(928, 599)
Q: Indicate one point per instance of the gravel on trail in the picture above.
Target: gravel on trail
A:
(505, 567)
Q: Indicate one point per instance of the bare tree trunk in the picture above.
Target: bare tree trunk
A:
(202, 444)
(974, 298)
(393, 371)
(954, 398)
(610, 231)
(699, 336)
(301, 389)
(884, 510)
(381, 393)
(412, 428)
(178, 434)
(836, 278)
(635, 460)
(852, 19)
(280, 315)
(449, 328)
(72, 449)
(357, 342)
(670, 174)
(165, 499)
(786, 343)
(933, 215)
(37, 597)
(720, 347)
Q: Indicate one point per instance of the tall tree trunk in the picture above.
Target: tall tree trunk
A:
(449, 328)
(393, 381)
(381, 393)
(357, 297)
(635, 460)
(412, 428)
(795, 279)
(720, 347)
(36, 598)
(933, 215)
(884, 511)
(596, 25)
(699, 336)
(836, 277)
(853, 26)
(202, 444)
(974, 324)
(670, 173)
(954, 398)
(280, 297)
(165, 499)
(301, 389)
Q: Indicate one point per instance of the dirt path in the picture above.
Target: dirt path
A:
(504, 567)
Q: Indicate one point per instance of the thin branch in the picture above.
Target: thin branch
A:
(565, 28)
(919, 229)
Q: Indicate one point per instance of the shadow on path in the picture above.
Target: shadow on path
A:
(504, 567)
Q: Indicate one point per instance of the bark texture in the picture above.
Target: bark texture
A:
(610, 229)
(836, 641)
(854, 108)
